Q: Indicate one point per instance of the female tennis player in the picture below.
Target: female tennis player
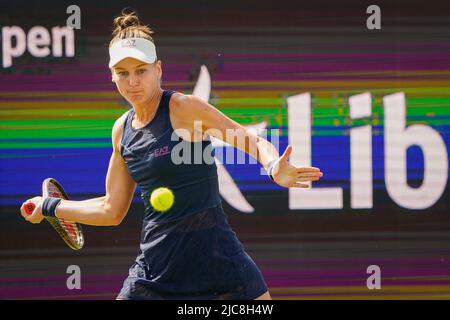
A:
(189, 251)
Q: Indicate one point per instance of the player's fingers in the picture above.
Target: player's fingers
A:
(310, 174)
(33, 218)
(298, 185)
(34, 221)
(285, 156)
(304, 179)
(308, 169)
(22, 210)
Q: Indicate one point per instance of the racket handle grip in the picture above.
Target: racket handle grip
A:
(29, 207)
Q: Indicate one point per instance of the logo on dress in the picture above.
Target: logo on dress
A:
(130, 43)
(161, 151)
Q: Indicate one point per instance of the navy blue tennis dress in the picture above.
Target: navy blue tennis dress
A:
(189, 251)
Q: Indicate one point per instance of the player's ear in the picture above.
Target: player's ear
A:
(113, 75)
(158, 69)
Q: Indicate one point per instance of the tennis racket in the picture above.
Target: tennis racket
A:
(69, 231)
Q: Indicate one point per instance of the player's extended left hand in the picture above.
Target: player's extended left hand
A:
(290, 176)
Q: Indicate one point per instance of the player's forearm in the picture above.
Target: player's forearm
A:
(257, 147)
(93, 212)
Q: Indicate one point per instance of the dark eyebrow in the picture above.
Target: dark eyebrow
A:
(143, 64)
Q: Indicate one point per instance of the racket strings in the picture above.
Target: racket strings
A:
(72, 232)
(70, 227)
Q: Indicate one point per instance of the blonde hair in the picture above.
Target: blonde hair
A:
(127, 25)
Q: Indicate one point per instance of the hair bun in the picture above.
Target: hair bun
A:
(124, 21)
(128, 25)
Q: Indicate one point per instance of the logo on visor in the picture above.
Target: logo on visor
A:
(129, 43)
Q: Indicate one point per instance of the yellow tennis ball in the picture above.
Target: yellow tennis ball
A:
(162, 199)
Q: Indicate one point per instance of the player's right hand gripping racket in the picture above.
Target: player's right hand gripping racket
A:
(68, 230)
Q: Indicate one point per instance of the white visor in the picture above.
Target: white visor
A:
(137, 48)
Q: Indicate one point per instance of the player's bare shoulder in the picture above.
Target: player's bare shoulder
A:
(117, 130)
(180, 105)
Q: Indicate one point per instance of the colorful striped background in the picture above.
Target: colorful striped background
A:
(56, 117)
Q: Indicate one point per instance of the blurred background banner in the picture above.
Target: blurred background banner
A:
(360, 91)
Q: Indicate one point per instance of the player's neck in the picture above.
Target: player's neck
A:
(145, 111)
